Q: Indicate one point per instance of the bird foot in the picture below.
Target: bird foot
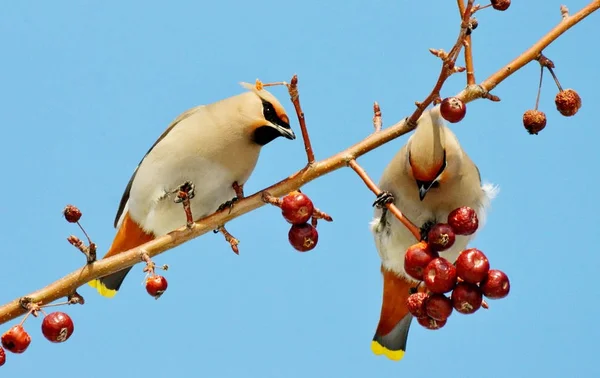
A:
(383, 199)
(187, 190)
(228, 205)
(425, 229)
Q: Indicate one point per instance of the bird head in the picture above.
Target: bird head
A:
(266, 116)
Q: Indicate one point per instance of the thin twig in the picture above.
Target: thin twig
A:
(295, 98)
(468, 48)
(233, 242)
(377, 123)
(67, 284)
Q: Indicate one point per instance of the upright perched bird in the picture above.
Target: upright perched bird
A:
(210, 146)
(428, 178)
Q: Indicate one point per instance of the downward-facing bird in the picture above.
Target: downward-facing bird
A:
(428, 178)
(210, 146)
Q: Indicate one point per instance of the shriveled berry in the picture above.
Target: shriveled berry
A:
(431, 323)
(500, 5)
(156, 285)
(496, 285)
(438, 307)
(57, 327)
(441, 237)
(453, 109)
(296, 207)
(466, 298)
(463, 220)
(72, 214)
(416, 304)
(303, 237)
(16, 339)
(416, 258)
(472, 265)
(440, 275)
(2, 356)
(568, 102)
(534, 121)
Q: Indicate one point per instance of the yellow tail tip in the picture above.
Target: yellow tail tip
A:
(103, 290)
(378, 349)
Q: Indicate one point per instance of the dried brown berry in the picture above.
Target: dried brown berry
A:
(567, 102)
(463, 221)
(440, 275)
(16, 339)
(297, 208)
(472, 265)
(438, 307)
(441, 237)
(156, 285)
(430, 323)
(303, 237)
(416, 258)
(496, 285)
(2, 356)
(416, 304)
(534, 121)
(57, 327)
(453, 109)
(72, 214)
(466, 298)
(500, 5)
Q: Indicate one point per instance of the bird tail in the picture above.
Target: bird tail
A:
(394, 322)
(129, 235)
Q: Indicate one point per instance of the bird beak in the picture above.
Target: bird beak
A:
(286, 132)
(424, 187)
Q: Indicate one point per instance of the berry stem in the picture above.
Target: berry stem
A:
(537, 100)
(268, 198)
(391, 207)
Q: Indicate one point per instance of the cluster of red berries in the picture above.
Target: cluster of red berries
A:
(469, 278)
(57, 327)
(297, 209)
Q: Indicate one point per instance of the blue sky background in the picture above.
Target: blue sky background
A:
(86, 88)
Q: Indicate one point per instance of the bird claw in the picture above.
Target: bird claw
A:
(425, 229)
(187, 190)
(228, 205)
(383, 199)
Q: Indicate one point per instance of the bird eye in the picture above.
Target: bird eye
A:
(268, 108)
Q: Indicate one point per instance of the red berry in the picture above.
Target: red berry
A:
(568, 102)
(466, 298)
(496, 285)
(416, 304)
(431, 323)
(156, 285)
(297, 208)
(441, 237)
(438, 307)
(72, 214)
(416, 258)
(2, 356)
(16, 339)
(463, 221)
(453, 109)
(534, 121)
(472, 265)
(57, 327)
(500, 5)
(440, 275)
(303, 237)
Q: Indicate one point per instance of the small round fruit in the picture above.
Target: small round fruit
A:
(463, 221)
(416, 258)
(156, 285)
(534, 121)
(438, 307)
(441, 237)
(431, 323)
(2, 356)
(72, 214)
(57, 327)
(466, 298)
(500, 5)
(453, 109)
(303, 237)
(568, 102)
(297, 208)
(440, 275)
(16, 339)
(496, 285)
(472, 265)
(416, 304)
